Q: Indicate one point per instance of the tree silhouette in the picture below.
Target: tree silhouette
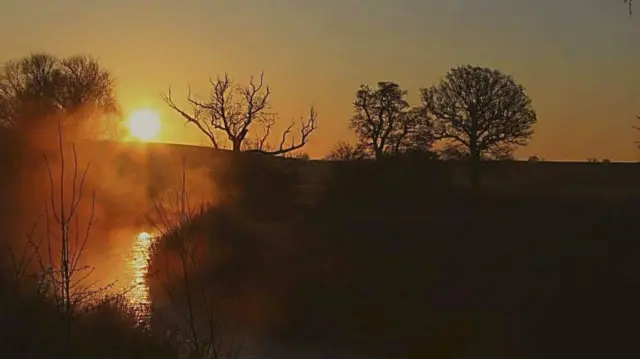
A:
(453, 152)
(39, 88)
(480, 109)
(384, 122)
(235, 111)
(344, 151)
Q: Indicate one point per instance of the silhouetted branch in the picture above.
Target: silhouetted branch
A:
(194, 118)
(344, 151)
(76, 90)
(306, 129)
(384, 123)
(181, 276)
(481, 109)
(67, 277)
(235, 111)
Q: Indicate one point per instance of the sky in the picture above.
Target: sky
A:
(578, 59)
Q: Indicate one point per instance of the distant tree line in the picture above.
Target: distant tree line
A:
(474, 112)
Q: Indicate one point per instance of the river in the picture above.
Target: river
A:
(137, 290)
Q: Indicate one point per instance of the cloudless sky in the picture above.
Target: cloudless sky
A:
(578, 59)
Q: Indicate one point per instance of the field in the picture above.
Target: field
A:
(396, 259)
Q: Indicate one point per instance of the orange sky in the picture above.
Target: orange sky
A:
(579, 60)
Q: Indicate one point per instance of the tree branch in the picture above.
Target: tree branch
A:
(193, 119)
(306, 129)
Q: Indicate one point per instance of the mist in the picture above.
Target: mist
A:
(127, 179)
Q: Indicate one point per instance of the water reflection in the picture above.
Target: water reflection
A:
(138, 294)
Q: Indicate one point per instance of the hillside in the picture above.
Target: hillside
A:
(386, 258)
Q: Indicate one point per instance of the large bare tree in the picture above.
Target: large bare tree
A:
(235, 111)
(383, 121)
(480, 109)
(39, 88)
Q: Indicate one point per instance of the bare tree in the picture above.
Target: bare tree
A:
(182, 254)
(40, 89)
(481, 109)
(234, 111)
(453, 152)
(299, 155)
(66, 239)
(382, 120)
(344, 151)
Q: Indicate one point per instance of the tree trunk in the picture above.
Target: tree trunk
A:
(474, 164)
(237, 144)
(475, 173)
(378, 152)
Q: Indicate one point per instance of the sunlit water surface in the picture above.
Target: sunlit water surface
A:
(138, 259)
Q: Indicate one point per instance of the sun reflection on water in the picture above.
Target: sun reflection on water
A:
(139, 259)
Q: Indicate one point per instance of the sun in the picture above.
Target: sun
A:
(143, 125)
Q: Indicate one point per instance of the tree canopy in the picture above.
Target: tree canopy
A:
(385, 123)
(481, 110)
(38, 89)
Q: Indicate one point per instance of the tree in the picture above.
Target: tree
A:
(298, 155)
(480, 109)
(344, 151)
(453, 152)
(384, 122)
(39, 88)
(235, 111)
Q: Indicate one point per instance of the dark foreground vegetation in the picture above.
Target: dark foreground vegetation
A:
(390, 250)
(394, 259)
(49, 307)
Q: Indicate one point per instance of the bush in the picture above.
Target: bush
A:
(31, 326)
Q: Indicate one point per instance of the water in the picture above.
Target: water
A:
(138, 259)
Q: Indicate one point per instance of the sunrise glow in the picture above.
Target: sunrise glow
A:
(144, 125)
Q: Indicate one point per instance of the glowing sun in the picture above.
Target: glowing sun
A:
(144, 125)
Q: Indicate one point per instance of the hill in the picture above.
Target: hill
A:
(391, 259)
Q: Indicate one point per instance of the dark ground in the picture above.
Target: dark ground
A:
(398, 261)
(402, 267)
